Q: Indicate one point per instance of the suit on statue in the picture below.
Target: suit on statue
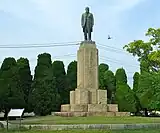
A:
(87, 22)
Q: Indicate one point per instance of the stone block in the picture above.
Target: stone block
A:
(96, 113)
(81, 96)
(97, 107)
(72, 97)
(113, 107)
(65, 108)
(57, 113)
(92, 96)
(70, 114)
(107, 114)
(64, 114)
(80, 114)
(122, 114)
(110, 114)
(86, 44)
(102, 96)
(79, 108)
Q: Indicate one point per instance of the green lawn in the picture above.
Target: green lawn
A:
(90, 131)
(88, 120)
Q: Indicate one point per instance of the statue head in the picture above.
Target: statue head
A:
(87, 9)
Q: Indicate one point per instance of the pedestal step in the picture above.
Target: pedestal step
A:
(89, 108)
(85, 114)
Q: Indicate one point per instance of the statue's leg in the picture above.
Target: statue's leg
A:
(89, 34)
(85, 36)
(85, 33)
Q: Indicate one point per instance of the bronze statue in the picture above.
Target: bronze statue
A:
(87, 22)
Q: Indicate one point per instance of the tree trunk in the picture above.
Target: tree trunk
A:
(6, 114)
(146, 112)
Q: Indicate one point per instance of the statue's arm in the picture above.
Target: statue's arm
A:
(82, 20)
(92, 19)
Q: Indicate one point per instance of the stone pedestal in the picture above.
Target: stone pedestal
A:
(97, 108)
(72, 97)
(81, 96)
(87, 66)
(87, 99)
(79, 108)
(112, 107)
(65, 108)
(92, 96)
(102, 96)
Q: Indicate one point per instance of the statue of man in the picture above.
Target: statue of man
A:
(87, 22)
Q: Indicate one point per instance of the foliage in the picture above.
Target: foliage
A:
(110, 83)
(11, 95)
(136, 78)
(121, 77)
(44, 89)
(147, 51)
(72, 75)
(148, 54)
(144, 66)
(102, 69)
(51, 85)
(135, 81)
(125, 98)
(61, 80)
(139, 48)
(149, 91)
(25, 78)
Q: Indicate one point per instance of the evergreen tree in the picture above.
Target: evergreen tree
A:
(110, 83)
(121, 77)
(135, 89)
(11, 95)
(125, 98)
(135, 81)
(102, 69)
(61, 80)
(25, 78)
(72, 75)
(44, 95)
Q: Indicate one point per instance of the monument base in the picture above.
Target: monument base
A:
(89, 108)
(83, 110)
(87, 99)
(85, 114)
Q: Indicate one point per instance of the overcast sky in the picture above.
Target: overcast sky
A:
(46, 21)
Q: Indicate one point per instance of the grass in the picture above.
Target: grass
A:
(88, 120)
(89, 131)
